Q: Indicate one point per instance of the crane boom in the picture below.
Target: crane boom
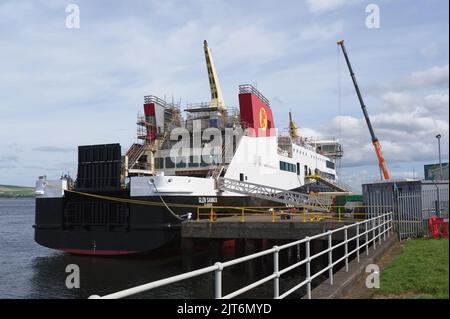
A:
(214, 85)
(293, 129)
(375, 141)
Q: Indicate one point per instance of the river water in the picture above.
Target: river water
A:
(28, 270)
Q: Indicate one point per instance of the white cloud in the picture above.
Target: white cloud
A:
(430, 51)
(407, 125)
(70, 87)
(318, 32)
(433, 104)
(328, 5)
(438, 75)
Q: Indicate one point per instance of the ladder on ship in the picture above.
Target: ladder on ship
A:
(135, 153)
(217, 171)
(289, 198)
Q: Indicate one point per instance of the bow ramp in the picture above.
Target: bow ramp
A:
(262, 192)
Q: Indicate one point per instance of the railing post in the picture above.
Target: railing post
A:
(384, 226)
(218, 282)
(273, 215)
(374, 222)
(357, 241)
(389, 224)
(242, 215)
(339, 214)
(367, 236)
(276, 280)
(346, 248)
(380, 220)
(308, 268)
(330, 257)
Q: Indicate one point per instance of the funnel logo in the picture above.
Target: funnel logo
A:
(263, 118)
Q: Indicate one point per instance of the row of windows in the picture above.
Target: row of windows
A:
(288, 167)
(304, 153)
(180, 162)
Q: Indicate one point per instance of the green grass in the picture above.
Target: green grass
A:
(420, 271)
(16, 191)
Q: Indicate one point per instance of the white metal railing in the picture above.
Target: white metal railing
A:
(377, 228)
(262, 191)
(154, 99)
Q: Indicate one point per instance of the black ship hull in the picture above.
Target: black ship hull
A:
(80, 224)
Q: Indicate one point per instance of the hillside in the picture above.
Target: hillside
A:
(16, 191)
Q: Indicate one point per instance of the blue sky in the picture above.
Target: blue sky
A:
(64, 87)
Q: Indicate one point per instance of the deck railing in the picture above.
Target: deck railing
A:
(374, 229)
(248, 88)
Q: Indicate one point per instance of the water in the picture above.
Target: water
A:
(28, 270)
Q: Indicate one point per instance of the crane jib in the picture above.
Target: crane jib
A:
(375, 140)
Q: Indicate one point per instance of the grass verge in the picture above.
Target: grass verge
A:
(420, 271)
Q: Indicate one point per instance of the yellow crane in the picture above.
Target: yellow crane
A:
(214, 84)
(293, 128)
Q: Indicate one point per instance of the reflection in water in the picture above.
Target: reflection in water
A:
(104, 275)
(28, 270)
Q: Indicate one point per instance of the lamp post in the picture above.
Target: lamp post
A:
(439, 150)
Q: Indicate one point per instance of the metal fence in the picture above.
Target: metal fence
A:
(413, 201)
(370, 231)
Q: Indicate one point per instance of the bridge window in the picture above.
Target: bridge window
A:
(193, 161)
(159, 163)
(169, 163)
(330, 164)
(204, 163)
(181, 162)
(287, 167)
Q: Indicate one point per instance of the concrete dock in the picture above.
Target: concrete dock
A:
(262, 227)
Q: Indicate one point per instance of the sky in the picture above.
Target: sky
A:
(63, 87)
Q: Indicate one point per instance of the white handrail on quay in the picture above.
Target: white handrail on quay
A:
(380, 227)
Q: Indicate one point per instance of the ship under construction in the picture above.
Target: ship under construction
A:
(205, 155)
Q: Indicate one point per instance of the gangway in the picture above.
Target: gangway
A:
(337, 187)
(263, 192)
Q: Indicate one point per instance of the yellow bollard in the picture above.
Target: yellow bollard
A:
(211, 216)
(242, 216)
(339, 214)
(198, 214)
(305, 211)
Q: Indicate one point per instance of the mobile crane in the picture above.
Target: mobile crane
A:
(375, 141)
